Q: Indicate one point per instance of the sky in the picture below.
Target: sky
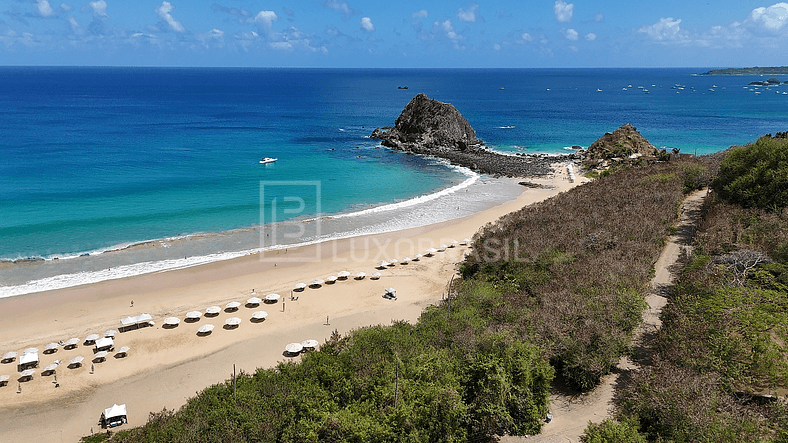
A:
(395, 33)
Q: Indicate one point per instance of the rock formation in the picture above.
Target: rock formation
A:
(623, 143)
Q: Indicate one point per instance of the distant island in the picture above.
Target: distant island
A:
(755, 70)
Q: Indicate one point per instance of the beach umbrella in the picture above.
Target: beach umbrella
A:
(405, 260)
(76, 360)
(254, 301)
(71, 342)
(466, 240)
(204, 329)
(300, 286)
(331, 279)
(193, 315)
(172, 321)
(49, 367)
(375, 276)
(232, 321)
(51, 347)
(430, 251)
(27, 373)
(316, 282)
(417, 257)
(361, 275)
(213, 310)
(453, 243)
(92, 337)
(232, 305)
(391, 290)
(100, 355)
(110, 333)
(383, 264)
(443, 247)
(4, 378)
(31, 351)
(309, 344)
(294, 348)
(272, 297)
(392, 262)
(10, 355)
(343, 274)
(259, 315)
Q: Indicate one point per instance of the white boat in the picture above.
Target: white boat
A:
(268, 160)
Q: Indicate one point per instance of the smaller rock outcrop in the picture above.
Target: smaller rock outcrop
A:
(623, 143)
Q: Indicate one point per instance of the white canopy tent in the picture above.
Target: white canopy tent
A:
(136, 321)
(116, 415)
(28, 360)
(105, 343)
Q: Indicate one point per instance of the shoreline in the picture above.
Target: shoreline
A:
(166, 366)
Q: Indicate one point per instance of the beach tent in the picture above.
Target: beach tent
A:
(28, 360)
(115, 416)
(27, 374)
(136, 321)
(4, 379)
(104, 344)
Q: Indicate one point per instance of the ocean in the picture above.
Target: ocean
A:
(109, 172)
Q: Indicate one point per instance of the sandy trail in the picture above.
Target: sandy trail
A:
(571, 413)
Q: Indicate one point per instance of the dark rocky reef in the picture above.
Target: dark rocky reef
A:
(429, 127)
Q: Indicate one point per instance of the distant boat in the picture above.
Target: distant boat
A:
(598, 90)
(268, 160)
(402, 87)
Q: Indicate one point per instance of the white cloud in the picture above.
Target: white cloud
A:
(526, 36)
(99, 8)
(265, 18)
(44, 9)
(590, 36)
(366, 24)
(497, 47)
(598, 17)
(666, 29)
(419, 14)
(571, 34)
(338, 6)
(469, 15)
(771, 20)
(164, 12)
(563, 11)
(281, 45)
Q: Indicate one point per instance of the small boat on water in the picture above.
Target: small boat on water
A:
(268, 160)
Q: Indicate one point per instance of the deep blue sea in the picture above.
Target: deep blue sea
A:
(160, 165)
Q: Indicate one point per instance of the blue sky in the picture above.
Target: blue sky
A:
(394, 33)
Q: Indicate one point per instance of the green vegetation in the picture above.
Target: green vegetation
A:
(555, 288)
(756, 175)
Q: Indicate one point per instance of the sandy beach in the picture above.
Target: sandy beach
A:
(167, 365)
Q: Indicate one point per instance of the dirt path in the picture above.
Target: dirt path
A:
(571, 413)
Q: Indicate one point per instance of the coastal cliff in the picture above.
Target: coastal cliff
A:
(430, 127)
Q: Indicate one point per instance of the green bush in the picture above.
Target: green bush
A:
(756, 175)
(610, 431)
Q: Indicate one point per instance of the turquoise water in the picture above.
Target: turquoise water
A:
(100, 159)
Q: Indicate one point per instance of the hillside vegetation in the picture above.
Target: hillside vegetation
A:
(555, 288)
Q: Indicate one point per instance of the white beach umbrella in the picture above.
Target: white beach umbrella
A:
(393, 262)
(27, 373)
(430, 251)
(193, 315)
(76, 360)
(233, 305)
(300, 286)
(32, 350)
(383, 264)
(316, 282)
(259, 315)
(71, 342)
(110, 333)
(361, 275)
(343, 274)
(294, 348)
(49, 367)
(453, 243)
(391, 291)
(10, 355)
(124, 350)
(466, 241)
(233, 321)
(375, 276)
(405, 260)
(4, 378)
(331, 279)
(204, 329)
(100, 355)
(213, 310)
(92, 338)
(417, 257)
(172, 321)
(51, 347)
(443, 247)
(309, 344)
(272, 297)
(254, 301)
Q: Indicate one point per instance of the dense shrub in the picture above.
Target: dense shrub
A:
(610, 431)
(756, 175)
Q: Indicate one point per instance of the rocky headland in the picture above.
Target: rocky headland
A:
(433, 128)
